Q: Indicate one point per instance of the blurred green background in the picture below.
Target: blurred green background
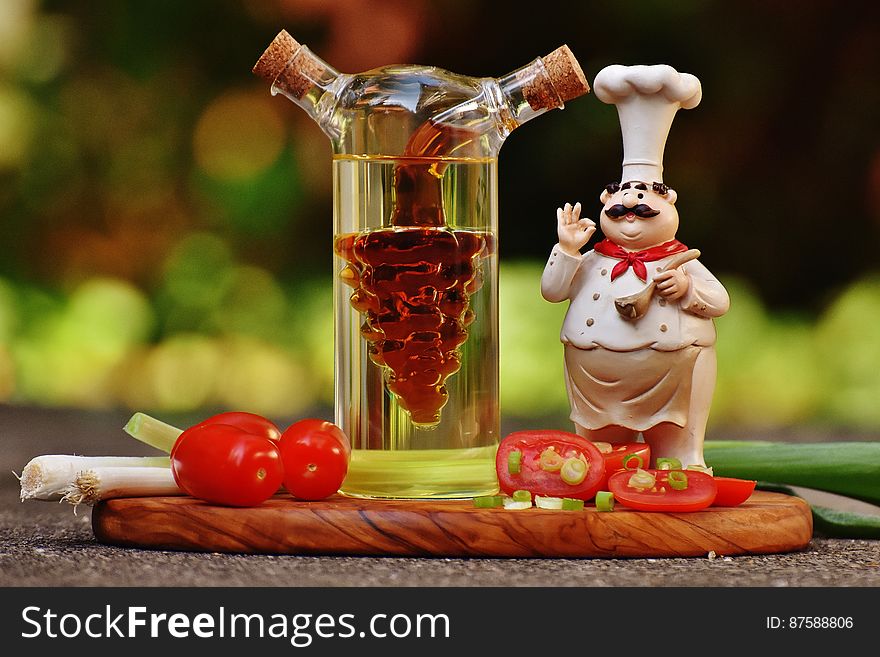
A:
(167, 223)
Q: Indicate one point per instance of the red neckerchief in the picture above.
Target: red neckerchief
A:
(637, 259)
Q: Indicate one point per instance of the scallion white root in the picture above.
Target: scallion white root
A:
(153, 432)
(53, 476)
(99, 484)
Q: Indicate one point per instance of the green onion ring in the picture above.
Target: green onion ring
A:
(573, 471)
(514, 462)
(642, 480)
(488, 501)
(677, 480)
(668, 464)
(627, 459)
(604, 501)
(521, 496)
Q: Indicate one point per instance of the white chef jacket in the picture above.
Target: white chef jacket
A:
(592, 320)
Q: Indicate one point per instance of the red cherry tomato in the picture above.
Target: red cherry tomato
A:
(733, 492)
(311, 425)
(315, 455)
(249, 422)
(614, 460)
(540, 476)
(222, 464)
(698, 495)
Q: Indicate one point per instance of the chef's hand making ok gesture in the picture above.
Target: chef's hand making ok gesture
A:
(574, 232)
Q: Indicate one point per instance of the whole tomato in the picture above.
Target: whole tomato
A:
(223, 464)
(250, 422)
(315, 455)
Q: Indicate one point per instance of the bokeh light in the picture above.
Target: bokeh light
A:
(167, 221)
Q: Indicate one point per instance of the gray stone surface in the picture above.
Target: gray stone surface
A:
(47, 544)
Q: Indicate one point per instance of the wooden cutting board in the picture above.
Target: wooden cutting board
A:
(766, 523)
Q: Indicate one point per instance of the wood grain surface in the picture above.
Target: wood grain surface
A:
(767, 523)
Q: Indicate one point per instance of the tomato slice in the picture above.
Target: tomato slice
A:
(699, 494)
(733, 492)
(619, 453)
(549, 480)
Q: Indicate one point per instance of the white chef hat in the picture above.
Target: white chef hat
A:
(647, 98)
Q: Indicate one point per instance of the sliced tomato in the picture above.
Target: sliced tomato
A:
(733, 492)
(615, 459)
(545, 479)
(699, 493)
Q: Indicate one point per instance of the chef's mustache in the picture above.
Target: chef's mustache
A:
(642, 210)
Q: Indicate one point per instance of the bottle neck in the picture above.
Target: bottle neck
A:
(527, 93)
(305, 80)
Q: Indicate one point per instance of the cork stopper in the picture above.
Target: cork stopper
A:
(564, 81)
(291, 67)
(277, 55)
(565, 74)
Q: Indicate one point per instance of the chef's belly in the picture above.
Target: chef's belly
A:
(636, 389)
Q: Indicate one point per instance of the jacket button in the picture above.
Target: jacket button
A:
(603, 272)
(589, 321)
(662, 302)
(663, 328)
(595, 296)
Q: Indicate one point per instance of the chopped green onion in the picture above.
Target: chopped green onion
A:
(604, 501)
(548, 502)
(630, 457)
(571, 504)
(642, 480)
(551, 461)
(488, 501)
(514, 462)
(668, 464)
(677, 480)
(510, 503)
(699, 468)
(604, 448)
(573, 471)
(521, 496)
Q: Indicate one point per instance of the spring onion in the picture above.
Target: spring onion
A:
(668, 464)
(551, 460)
(605, 501)
(548, 502)
(521, 496)
(642, 480)
(627, 459)
(677, 480)
(488, 501)
(571, 504)
(78, 479)
(700, 468)
(513, 505)
(153, 432)
(574, 470)
(514, 462)
(604, 448)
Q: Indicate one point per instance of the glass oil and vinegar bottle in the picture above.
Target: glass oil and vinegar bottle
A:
(415, 221)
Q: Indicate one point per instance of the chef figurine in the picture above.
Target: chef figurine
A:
(645, 365)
